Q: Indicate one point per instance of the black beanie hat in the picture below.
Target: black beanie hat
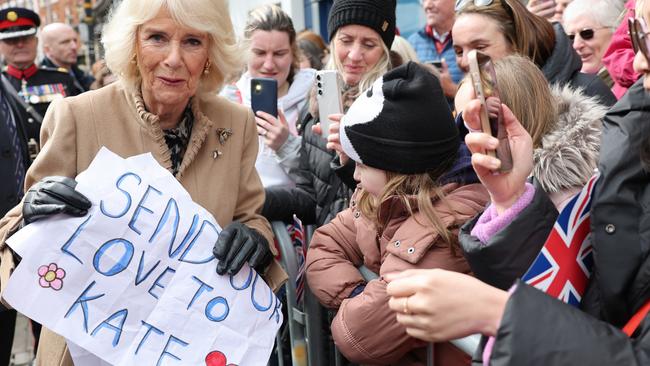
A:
(376, 14)
(402, 123)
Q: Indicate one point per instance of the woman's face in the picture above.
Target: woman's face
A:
(641, 64)
(372, 180)
(591, 50)
(478, 32)
(358, 49)
(270, 56)
(171, 59)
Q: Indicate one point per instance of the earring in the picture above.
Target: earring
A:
(206, 69)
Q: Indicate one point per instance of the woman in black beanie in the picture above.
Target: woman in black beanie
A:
(361, 33)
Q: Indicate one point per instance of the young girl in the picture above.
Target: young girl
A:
(402, 137)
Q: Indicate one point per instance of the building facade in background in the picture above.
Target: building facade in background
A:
(311, 14)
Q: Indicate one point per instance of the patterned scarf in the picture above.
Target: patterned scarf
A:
(178, 138)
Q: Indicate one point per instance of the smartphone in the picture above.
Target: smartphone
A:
(328, 95)
(484, 80)
(436, 63)
(264, 95)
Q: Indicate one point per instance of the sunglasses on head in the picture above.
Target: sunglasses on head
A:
(586, 34)
(639, 35)
(461, 3)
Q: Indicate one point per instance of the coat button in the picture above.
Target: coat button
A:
(411, 250)
(610, 228)
(357, 214)
(397, 243)
(30, 120)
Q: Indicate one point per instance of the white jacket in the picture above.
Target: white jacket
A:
(273, 167)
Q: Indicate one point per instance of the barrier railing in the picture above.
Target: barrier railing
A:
(308, 343)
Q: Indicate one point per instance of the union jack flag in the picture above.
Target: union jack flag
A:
(297, 235)
(563, 267)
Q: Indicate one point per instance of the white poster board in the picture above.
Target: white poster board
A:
(133, 282)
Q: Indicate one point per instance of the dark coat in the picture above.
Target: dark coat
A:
(539, 330)
(323, 187)
(82, 80)
(563, 67)
(8, 185)
(51, 81)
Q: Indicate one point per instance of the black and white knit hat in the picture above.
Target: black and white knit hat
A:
(402, 123)
(378, 15)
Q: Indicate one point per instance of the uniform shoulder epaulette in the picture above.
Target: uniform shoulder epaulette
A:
(55, 69)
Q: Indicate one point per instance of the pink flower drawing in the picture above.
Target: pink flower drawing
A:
(51, 276)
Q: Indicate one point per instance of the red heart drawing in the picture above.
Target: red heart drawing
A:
(216, 358)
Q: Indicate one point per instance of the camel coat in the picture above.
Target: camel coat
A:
(220, 177)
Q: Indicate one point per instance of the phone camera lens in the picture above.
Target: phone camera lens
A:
(318, 77)
(320, 92)
(320, 85)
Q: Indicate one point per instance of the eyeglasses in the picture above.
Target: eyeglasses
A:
(638, 33)
(586, 34)
(461, 3)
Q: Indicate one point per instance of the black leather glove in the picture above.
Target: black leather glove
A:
(238, 244)
(53, 195)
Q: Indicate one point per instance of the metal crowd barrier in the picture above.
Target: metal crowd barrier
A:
(467, 344)
(308, 343)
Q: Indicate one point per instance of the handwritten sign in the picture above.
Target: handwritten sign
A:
(134, 283)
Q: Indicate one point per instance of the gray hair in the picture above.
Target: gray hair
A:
(209, 16)
(604, 12)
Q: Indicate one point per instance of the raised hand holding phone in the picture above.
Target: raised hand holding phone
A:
(504, 188)
(328, 95)
(486, 90)
(542, 8)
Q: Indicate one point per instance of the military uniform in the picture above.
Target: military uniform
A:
(38, 87)
(32, 88)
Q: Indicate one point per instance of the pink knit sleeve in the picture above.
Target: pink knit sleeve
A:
(490, 222)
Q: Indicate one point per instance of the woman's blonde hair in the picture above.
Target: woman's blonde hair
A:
(268, 18)
(417, 192)
(380, 68)
(404, 49)
(528, 34)
(210, 16)
(525, 90)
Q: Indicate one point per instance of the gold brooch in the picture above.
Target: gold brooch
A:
(224, 134)
(384, 26)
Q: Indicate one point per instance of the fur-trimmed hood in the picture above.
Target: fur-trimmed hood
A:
(569, 153)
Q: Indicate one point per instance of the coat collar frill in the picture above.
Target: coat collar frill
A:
(568, 154)
(150, 122)
(414, 233)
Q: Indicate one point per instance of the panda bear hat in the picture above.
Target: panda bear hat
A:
(402, 123)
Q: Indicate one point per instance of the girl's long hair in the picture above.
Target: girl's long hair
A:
(417, 192)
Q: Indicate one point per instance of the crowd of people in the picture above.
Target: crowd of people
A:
(548, 260)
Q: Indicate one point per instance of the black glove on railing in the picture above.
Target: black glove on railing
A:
(53, 195)
(238, 244)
